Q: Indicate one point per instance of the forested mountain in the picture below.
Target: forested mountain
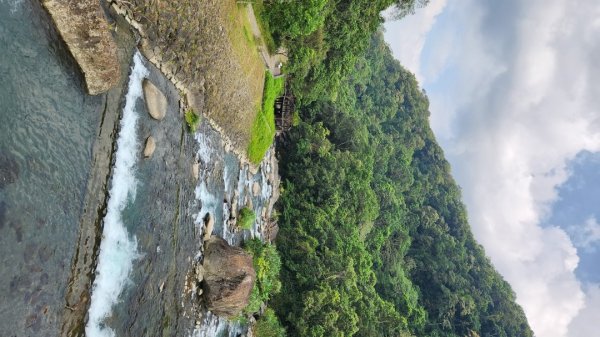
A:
(373, 238)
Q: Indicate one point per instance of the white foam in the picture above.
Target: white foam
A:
(208, 202)
(117, 249)
(242, 182)
(213, 325)
(206, 148)
(227, 176)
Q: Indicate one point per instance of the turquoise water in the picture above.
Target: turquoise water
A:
(47, 128)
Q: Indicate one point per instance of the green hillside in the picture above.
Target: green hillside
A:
(374, 239)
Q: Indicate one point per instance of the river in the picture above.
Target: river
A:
(149, 217)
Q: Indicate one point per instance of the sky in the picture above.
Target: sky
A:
(515, 104)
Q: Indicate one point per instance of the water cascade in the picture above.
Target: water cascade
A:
(117, 249)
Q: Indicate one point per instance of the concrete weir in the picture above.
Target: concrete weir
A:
(84, 29)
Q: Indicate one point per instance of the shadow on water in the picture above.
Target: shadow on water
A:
(9, 169)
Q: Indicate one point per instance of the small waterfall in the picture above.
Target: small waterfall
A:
(118, 250)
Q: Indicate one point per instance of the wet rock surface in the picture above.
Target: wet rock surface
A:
(84, 29)
(77, 296)
(228, 277)
(159, 219)
(9, 170)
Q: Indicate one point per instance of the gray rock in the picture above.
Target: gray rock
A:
(150, 147)
(228, 278)
(199, 273)
(196, 170)
(209, 224)
(156, 102)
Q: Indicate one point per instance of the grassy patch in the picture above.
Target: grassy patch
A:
(246, 218)
(192, 120)
(263, 128)
(245, 49)
(264, 27)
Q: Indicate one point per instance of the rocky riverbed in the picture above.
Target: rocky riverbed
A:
(184, 178)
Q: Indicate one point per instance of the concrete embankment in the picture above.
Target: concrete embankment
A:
(83, 27)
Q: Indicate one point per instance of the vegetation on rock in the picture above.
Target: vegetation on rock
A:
(246, 218)
(192, 120)
(267, 265)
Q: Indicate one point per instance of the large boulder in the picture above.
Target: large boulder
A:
(86, 32)
(156, 102)
(228, 277)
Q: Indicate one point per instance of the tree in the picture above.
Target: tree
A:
(403, 8)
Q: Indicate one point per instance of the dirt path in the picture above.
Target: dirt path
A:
(271, 61)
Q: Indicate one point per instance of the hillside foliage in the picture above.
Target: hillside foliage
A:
(374, 239)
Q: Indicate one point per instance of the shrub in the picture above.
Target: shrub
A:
(268, 325)
(192, 120)
(246, 218)
(267, 264)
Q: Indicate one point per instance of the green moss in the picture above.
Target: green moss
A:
(263, 128)
(246, 218)
(192, 120)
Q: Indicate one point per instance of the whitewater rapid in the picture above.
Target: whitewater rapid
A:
(118, 249)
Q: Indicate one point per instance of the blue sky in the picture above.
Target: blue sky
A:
(515, 105)
(577, 212)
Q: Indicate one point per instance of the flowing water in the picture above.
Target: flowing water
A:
(153, 225)
(117, 248)
(47, 128)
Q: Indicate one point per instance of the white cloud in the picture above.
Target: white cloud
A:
(586, 236)
(408, 35)
(586, 323)
(521, 102)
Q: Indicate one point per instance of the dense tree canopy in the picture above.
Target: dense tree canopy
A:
(374, 239)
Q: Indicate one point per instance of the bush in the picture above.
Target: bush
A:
(246, 218)
(192, 120)
(267, 264)
(268, 325)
